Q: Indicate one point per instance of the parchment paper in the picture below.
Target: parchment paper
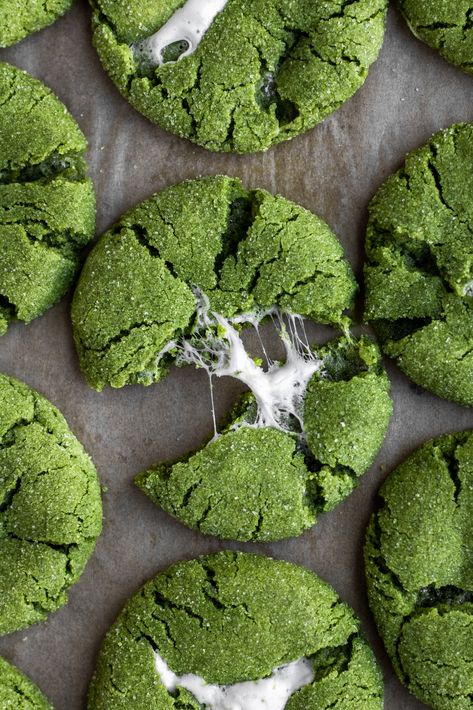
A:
(333, 170)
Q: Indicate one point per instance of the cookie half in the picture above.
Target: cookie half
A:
(445, 25)
(178, 280)
(50, 507)
(238, 75)
(22, 18)
(17, 692)
(419, 271)
(236, 628)
(47, 203)
(419, 568)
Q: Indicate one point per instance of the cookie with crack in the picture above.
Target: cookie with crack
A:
(22, 18)
(47, 204)
(238, 75)
(236, 630)
(50, 507)
(419, 568)
(178, 279)
(419, 272)
(445, 25)
(17, 692)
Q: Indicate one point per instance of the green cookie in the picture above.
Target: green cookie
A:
(50, 507)
(20, 18)
(230, 618)
(47, 204)
(178, 279)
(240, 75)
(17, 692)
(419, 272)
(446, 25)
(419, 567)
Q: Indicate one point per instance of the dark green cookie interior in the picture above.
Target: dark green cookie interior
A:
(446, 25)
(265, 70)
(47, 204)
(19, 19)
(50, 507)
(419, 273)
(232, 617)
(17, 692)
(257, 483)
(419, 566)
(246, 251)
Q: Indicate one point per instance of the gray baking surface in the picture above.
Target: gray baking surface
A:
(333, 170)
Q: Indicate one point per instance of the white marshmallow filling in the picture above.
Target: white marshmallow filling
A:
(271, 693)
(216, 346)
(180, 35)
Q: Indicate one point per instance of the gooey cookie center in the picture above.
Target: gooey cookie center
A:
(272, 692)
(180, 35)
(216, 346)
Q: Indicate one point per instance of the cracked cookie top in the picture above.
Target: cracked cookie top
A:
(47, 204)
(218, 628)
(50, 507)
(419, 567)
(238, 75)
(180, 279)
(18, 692)
(22, 18)
(446, 25)
(419, 272)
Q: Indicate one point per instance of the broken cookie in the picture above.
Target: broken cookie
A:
(17, 692)
(238, 75)
(47, 203)
(419, 568)
(50, 507)
(179, 279)
(445, 25)
(419, 271)
(236, 630)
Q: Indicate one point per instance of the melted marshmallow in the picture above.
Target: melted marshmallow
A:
(270, 693)
(187, 26)
(279, 391)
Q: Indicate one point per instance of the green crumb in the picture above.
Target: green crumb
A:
(419, 568)
(50, 507)
(419, 272)
(20, 18)
(47, 203)
(234, 617)
(445, 25)
(17, 692)
(264, 72)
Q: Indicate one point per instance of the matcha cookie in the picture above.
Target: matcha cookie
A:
(419, 566)
(238, 75)
(236, 630)
(47, 204)
(419, 273)
(17, 692)
(178, 279)
(19, 19)
(446, 25)
(50, 507)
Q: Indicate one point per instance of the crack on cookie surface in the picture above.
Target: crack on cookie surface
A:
(424, 606)
(280, 50)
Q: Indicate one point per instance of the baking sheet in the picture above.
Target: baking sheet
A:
(333, 170)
